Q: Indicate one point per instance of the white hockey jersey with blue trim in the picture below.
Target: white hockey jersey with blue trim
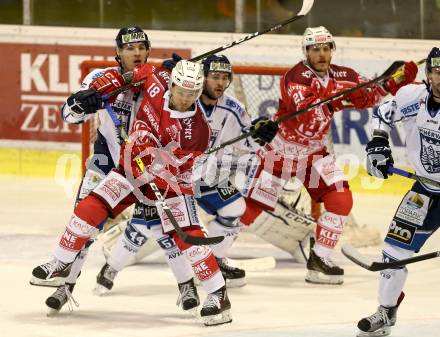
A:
(125, 107)
(422, 129)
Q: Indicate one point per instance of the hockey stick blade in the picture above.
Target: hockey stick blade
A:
(193, 240)
(353, 255)
(255, 264)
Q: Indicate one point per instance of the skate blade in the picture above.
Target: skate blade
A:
(385, 331)
(100, 290)
(194, 312)
(317, 277)
(53, 283)
(52, 312)
(235, 283)
(222, 318)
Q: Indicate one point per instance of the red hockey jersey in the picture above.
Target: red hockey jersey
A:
(300, 87)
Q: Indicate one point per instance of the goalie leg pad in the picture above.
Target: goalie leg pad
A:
(284, 227)
(392, 281)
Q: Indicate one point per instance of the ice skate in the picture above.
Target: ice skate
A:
(50, 274)
(61, 296)
(188, 298)
(234, 277)
(104, 280)
(380, 323)
(216, 308)
(322, 270)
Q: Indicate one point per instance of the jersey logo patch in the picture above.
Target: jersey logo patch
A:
(430, 150)
(227, 192)
(401, 232)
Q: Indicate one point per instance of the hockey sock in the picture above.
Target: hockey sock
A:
(76, 234)
(176, 260)
(89, 214)
(328, 230)
(203, 262)
(127, 245)
(227, 227)
(78, 263)
(391, 281)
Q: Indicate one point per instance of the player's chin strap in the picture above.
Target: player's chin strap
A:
(394, 70)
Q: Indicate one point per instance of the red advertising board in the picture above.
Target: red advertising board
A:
(35, 80)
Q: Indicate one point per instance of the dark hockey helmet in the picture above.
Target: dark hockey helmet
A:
(131, 35)
(433, 59)
(214, 63)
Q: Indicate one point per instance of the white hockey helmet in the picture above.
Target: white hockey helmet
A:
(317, 35)
(188, 75)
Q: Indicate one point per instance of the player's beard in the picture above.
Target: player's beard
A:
(208, 94)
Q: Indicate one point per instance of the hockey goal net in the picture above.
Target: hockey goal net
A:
(257, 87)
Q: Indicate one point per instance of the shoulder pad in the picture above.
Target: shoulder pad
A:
(233, 104)
(343, 73)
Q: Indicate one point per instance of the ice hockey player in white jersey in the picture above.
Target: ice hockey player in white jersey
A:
(228, 119)
(417, 106)
(132, 49)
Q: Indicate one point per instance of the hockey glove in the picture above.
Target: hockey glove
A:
(358, 98)
(171, 63)
(84, 102)
(379, 157)
(407, 76)
(263, 130)
(110, 81)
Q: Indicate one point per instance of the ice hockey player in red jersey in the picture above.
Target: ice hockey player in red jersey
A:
(168, 134)
(299, 147)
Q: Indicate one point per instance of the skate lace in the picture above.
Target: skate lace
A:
(65, 296)
(187, 291)
(52, 266)
(381, 315)
(224, 265)
(110, 273)
(328, 262)
(212, 301)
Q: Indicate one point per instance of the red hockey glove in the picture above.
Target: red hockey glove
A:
(110, 81)
(141, 73)
(358, 98)
(408, 75)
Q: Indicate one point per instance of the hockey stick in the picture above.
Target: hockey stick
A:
(353, 255)
(416, 177)
(305, 9)
(387, 74)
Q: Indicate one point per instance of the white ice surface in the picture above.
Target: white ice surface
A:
(275, 303)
